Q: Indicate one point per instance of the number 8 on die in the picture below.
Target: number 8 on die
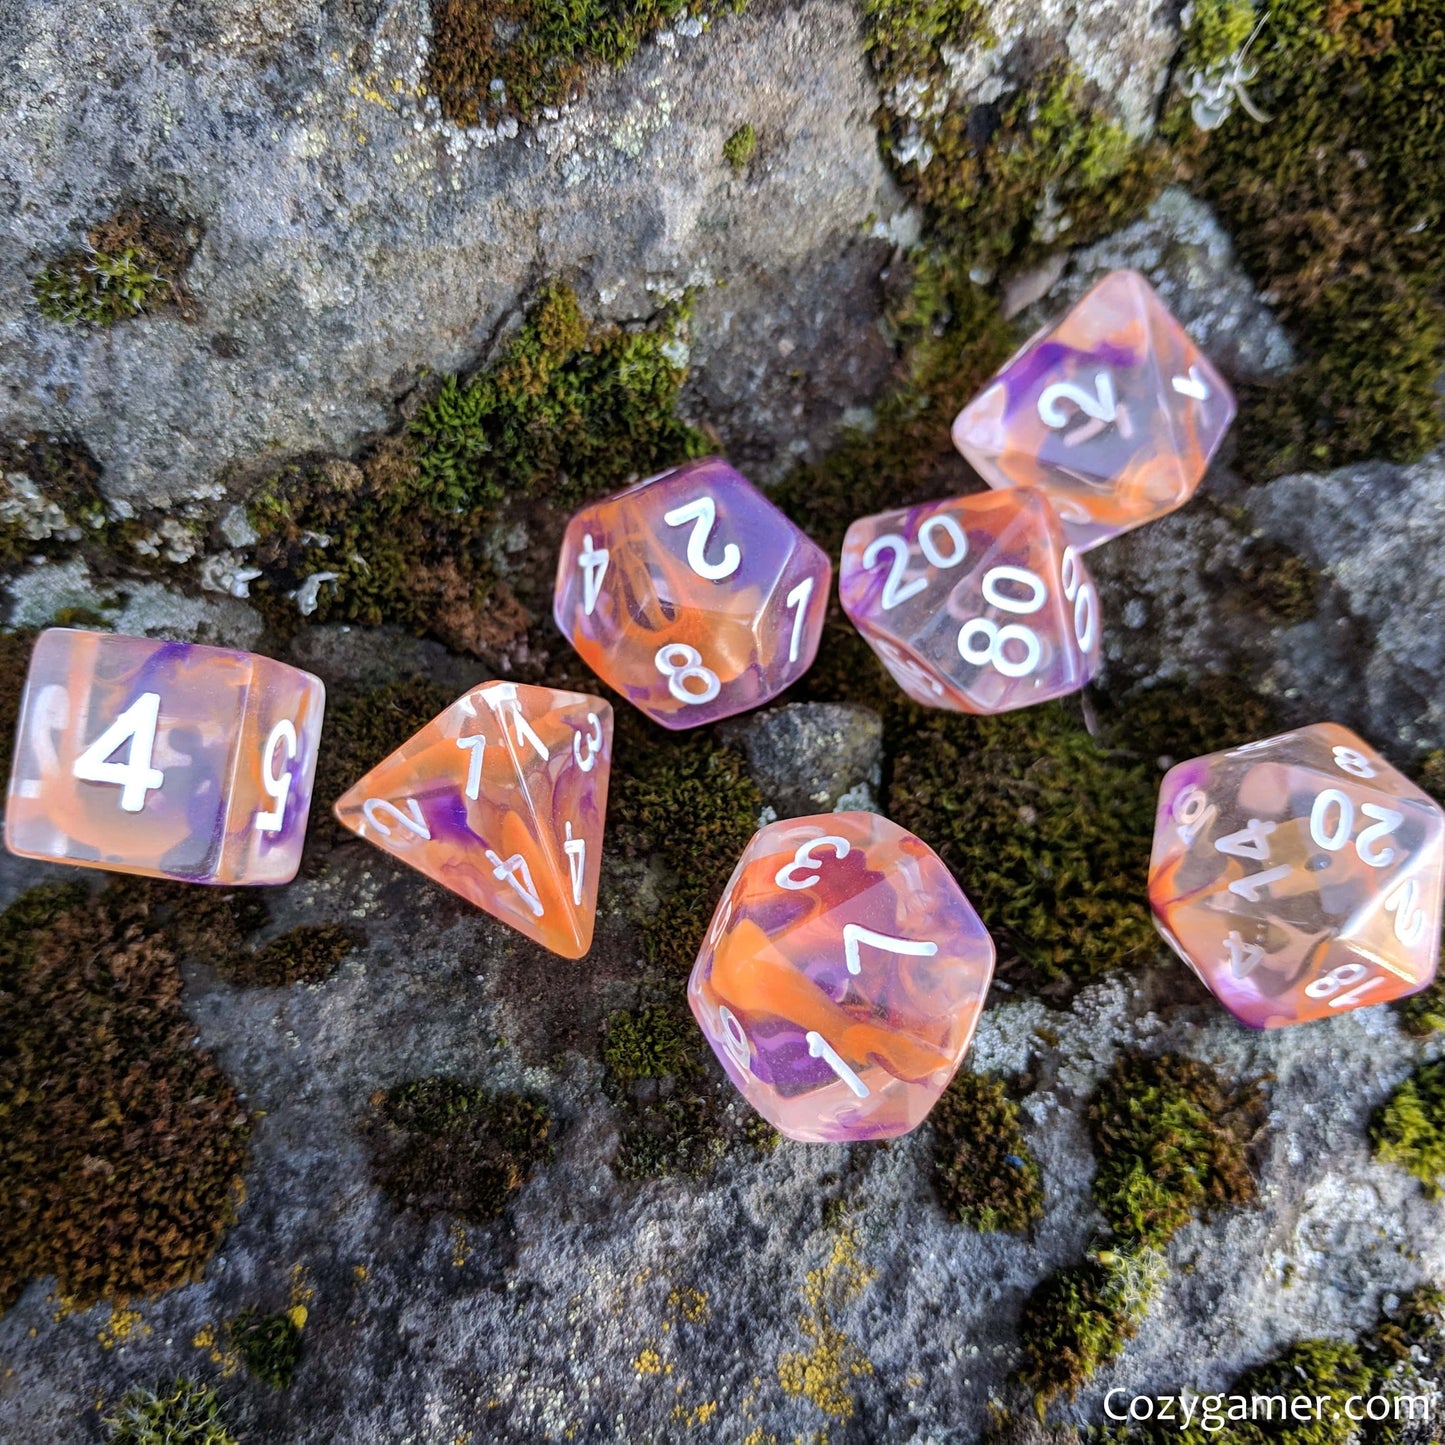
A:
(977, 604)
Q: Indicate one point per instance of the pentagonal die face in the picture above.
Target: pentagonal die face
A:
(975, 604)
(163, 758)
(1299, 876)
(841, 978)
(691, 594)
(1114, 411)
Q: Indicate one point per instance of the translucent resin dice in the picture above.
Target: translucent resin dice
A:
(691, 594)
(502, 799)
(1113, 410)
(1299, 876)
(841, 978)
(163, 758)
(976, 604)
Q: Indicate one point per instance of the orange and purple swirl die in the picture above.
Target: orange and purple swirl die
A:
(1113, 411)
(691, 594)
(841, 978)
(168, 759)
(502, 798)
(1299, 876)
(977, 604)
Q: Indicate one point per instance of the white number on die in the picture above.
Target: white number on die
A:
(135, 777)
(798, 598)
(1353, 761)
(855, 936)
(702, 513)
(895, 589)
(788, 875)
(576, 851)
(1404, 902)
(1098, 407)
(996, 639)
(588, 760)
(516, 872)
(820, 1048)
(1083, 596)
(1193, 813)
(1332, 839)
(677, 673)
(412, 820)
(1328, 985)
(277, 788)
(593, 562)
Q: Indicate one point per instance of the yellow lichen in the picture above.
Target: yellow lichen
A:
(649, 1362)
(690, 1304)
(822, 1374)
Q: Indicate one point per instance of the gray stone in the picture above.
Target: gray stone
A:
(355, 239)
(808, 756)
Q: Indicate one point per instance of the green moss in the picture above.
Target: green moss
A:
(1169, 1140)
(982, 1168)
(1081, 1317)
(1001, 184)
(1279, 580)
(690, 805)
(649, 1043)
(1217, 31)
(1423, 1013)
(1334, 206)
(1409, 1128)
(132, 262)
(1047, 830)
(568, 409)
(181, 1412)
(1177, 720)
(269, 1345)
(1332, 1368)
(49, 497)
(308, 953)
(738, 148)
(493, 58)
(441, 1146)
(363, 726)
(124, 1143)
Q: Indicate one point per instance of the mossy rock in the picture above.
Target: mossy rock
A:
(1334, 203)
(180, 1412)
(982, 1168)
(125, 1143)
(1170, 1140)
(441, 1146)
(1409, 1127)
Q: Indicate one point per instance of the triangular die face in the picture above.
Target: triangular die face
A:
(502, 799)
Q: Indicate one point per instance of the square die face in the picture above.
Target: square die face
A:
(124, 754)
(275, 765)
(1114, 411)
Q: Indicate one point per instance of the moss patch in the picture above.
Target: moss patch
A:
(268, 1345)
(440, 1146)
(1081, 1317)
(1334, 205)
(982, 1168)
(133, 261)
(49, 498)
(1001, 183)
(308, 953)
(1170, 1138)
(493, 58)
(181, 1412)
(568, 409)
(125, 1143)
(1047, 831)
(1409, 1128)
(738, 148)
(1280, 581)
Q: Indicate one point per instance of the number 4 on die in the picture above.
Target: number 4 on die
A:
(502, 799)
(163, 758)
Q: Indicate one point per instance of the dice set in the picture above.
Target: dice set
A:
(843, 973)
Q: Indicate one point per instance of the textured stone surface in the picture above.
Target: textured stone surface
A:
(809, 757)
(354, 238)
